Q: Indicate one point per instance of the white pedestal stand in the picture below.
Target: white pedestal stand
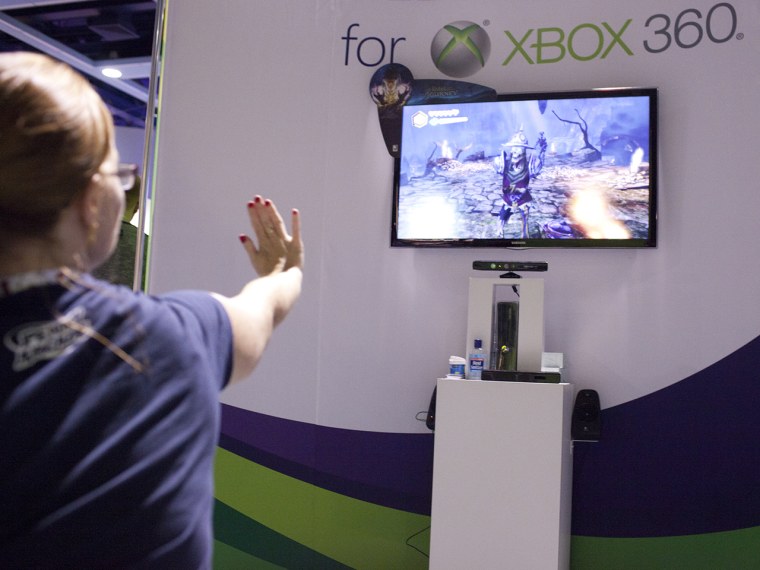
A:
(502, 476)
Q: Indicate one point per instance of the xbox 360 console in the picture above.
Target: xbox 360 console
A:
(518, 376)
(510, 265)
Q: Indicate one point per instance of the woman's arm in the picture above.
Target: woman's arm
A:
(263, 303)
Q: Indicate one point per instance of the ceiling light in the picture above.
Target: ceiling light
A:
(111, 72)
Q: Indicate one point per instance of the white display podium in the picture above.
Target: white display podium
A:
(502, 476)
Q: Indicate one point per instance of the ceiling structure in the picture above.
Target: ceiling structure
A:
(91, 35)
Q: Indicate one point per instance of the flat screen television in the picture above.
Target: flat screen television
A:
(543, 170)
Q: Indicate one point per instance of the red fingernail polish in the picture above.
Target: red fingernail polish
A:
(250, 204)
(242, 238)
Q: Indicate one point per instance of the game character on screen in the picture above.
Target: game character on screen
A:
(517, 169)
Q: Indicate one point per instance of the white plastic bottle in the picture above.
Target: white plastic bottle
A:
(456, 367)
(477, 361)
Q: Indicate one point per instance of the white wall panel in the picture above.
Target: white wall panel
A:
(257, 98)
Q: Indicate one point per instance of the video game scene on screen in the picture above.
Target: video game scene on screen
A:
(564, 168)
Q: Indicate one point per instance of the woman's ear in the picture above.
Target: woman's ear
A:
(88, 204)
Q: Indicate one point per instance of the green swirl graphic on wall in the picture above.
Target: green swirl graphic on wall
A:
(460, 49)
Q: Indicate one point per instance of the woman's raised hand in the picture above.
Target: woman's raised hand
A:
(274, 249)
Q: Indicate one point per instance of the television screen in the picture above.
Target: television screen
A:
(570, 169)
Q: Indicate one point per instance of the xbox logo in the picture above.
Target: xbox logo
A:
(460, 49)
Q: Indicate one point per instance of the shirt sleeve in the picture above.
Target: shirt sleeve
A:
(204, 316)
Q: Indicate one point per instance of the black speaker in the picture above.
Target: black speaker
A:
(587, 417)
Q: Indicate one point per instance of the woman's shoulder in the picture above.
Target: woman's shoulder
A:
(184, 309)
(171, 326)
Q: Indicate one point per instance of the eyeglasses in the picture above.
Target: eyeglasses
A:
(127, 174)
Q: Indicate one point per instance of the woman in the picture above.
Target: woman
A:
(108, 398)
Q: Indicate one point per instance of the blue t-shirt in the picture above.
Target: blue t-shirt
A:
(109, 419)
